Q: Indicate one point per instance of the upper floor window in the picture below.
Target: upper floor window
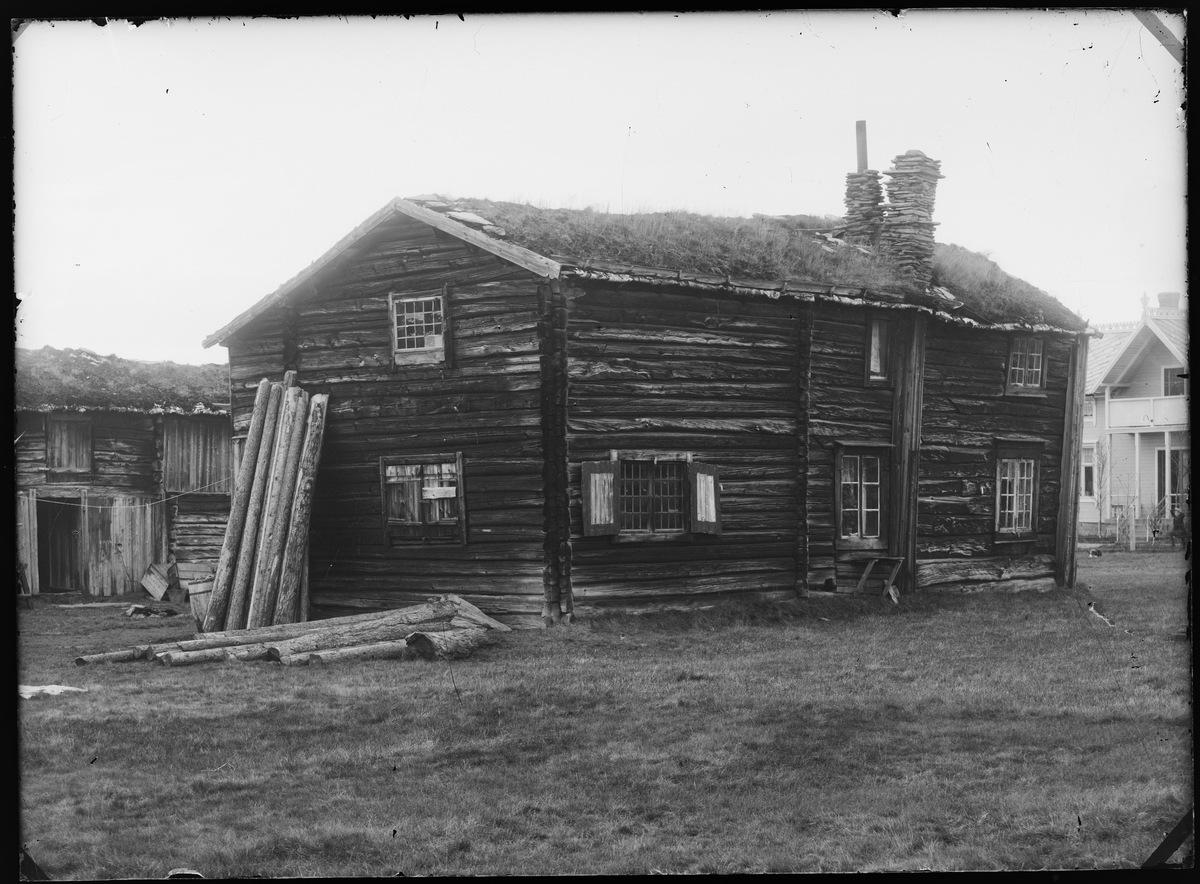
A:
(1089, 410)
(650, 495)
(878, 346)
(1175, 381)
(68, 448)
(1026, 365)
(861, 502)
(420, 328)
(423, 497)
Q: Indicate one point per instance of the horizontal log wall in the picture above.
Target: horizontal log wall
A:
(197, 526)
(843, 408)
(678, 371)
(965, 410)
(485, 404)
(124, 455)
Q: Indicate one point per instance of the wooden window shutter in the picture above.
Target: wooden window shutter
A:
(705, 481)
(600, 515)
(461, 484)
(448, 328)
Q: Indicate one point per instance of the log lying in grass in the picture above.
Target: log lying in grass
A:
(442, 627)
(393, 650)
(451, 643)
(126, 656)
(392, 628)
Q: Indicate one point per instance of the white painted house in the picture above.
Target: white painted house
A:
(1136, 458)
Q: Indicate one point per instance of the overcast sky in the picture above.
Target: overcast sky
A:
(168, 176)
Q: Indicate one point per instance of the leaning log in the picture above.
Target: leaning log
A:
(452, 643)
(295, 554)
(235, 618)
(277, 509)
(218, 605)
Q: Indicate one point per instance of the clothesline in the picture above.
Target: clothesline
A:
(136, 505)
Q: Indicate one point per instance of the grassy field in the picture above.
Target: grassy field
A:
(991, 731)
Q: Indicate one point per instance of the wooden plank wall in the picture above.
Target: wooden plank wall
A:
(487, 405)
(841, 407)
(965, 410)
(123, 534)
(682, 371)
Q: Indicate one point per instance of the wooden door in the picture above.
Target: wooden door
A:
(27, 547)
(60, 543)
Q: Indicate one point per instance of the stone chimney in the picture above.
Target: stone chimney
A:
(864, 207)
(1168, 302)
(906, 234)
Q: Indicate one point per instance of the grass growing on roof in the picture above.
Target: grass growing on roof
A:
(992, 294)
(959, 732)
(759, 248)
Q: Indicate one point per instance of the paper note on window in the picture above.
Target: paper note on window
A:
(438, 492)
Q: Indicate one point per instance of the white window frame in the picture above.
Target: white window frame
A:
(1169, 370)
(877, 360)
(1087, 461)
(860, 539)
(1019, 463)
(1089, 411)
(432, 348)
(1023, 375)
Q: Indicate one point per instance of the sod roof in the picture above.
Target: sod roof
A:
(768, 248)
(80, 380)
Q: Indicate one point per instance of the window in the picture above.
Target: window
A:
(423, 498)
(1175, 381)
(1089, 410)
(197, 455)
(68, 448)
(878, 346)
(861, 501)
(651, 495)
(420, 328)
(1026, 368)
(1016, 490)
(1088, 465)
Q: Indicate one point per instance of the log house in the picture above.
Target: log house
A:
(543, 409)
(119, 464)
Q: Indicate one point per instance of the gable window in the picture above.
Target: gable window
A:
(1088, 467)
(878, 347)
(1175, 381)
(1017, 490)
(420, 327)
(651, 495)
(861, 497)
(68, 448)
(1026, 366)
(423, 498)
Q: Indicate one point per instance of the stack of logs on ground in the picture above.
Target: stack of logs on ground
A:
(447, 626)
(261, 577)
